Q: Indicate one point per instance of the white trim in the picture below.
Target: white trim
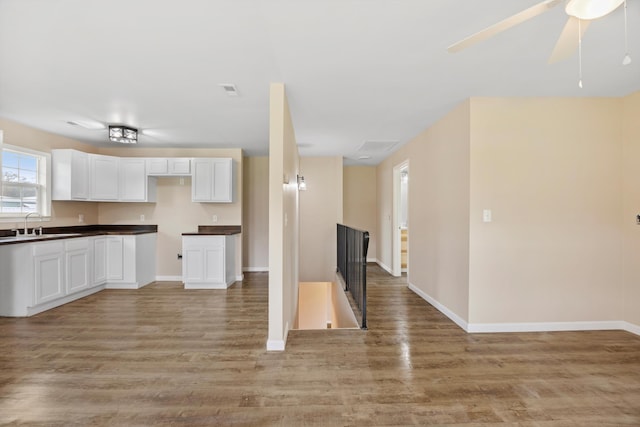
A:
(134, 285)
(255, 269)
(61, 301)
(239, 278)
(473, 328)
(275, 345)
(630, 327)
(168, 278)
(545, 326)
(383, 266)
(440, 307)
(372, 260)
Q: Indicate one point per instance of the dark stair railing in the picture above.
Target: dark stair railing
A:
(353, 245)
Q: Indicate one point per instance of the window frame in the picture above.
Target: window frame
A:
(43, 204)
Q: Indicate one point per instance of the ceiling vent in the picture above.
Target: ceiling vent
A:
(229, 88)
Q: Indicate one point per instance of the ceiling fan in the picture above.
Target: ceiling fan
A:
(580, 12)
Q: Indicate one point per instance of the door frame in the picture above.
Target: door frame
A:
(396, 256)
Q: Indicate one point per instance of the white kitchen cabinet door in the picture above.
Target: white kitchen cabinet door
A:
(171, 166)
(135, 184)
(212, 180)
(70, 175)
(49, 271)
(158, 166)
(115, 258)
(104, 177)
(77, 256)
(179, 166)
(99, 260)
(214, 264)
(133, 180)
(121, 262)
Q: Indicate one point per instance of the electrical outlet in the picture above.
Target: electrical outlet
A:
(80, 217)
(142, 217)
(214, 218)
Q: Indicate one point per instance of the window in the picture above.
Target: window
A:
(24, 186)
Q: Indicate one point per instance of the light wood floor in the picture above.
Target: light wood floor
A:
(165, 356)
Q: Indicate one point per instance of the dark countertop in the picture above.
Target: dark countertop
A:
(55, 233)
(216, 230)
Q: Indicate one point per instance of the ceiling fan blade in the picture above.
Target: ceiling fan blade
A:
(568, 41)
(503, 25)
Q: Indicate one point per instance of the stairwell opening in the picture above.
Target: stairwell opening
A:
(324, 305)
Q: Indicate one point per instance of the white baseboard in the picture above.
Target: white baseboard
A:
(61, 301)
(275, 345)
(255, 269)
(134, 285)
(239, 278)
(372, 260)
(544, 326)
(440, 307)
(168, 278)
(279, 345)
(630, 327)
(384, 267)
(608, 325)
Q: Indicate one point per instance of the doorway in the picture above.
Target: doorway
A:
(401, 219)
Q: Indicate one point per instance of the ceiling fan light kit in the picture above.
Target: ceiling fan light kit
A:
(580, 14)
(591, 9)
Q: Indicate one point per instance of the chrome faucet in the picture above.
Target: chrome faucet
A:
(26, 218)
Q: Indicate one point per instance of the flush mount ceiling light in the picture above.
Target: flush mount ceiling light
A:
(123, 134)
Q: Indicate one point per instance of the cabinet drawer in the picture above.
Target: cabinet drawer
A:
(76, 244)
(50, 248)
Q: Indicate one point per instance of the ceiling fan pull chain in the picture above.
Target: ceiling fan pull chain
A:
(627, 58)
(579, 54)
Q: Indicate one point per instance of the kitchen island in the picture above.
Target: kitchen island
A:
(208, 257)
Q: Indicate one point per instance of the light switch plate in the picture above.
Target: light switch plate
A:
(486, 215)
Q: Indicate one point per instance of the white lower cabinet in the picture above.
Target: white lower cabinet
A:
(49, 271)
(38, 276)
(78, 264)
(208, 262)
(130, 261)
(115, 258)
(99, 260)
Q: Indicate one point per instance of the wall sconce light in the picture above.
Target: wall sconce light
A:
(123, 134)
(302, 186)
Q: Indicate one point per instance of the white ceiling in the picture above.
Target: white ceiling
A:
(355, 70)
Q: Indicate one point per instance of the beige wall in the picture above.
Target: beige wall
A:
(283, 220)
(631, 193)
(360, 202)
(320, 211)
(255, 207)
(438, 210)
(550, 171)
(62, 213)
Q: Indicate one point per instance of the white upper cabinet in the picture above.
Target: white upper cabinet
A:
(212, 180)
(70, 175)
(168, 167)
(104, 177)
(135, 185)
(94, 177)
